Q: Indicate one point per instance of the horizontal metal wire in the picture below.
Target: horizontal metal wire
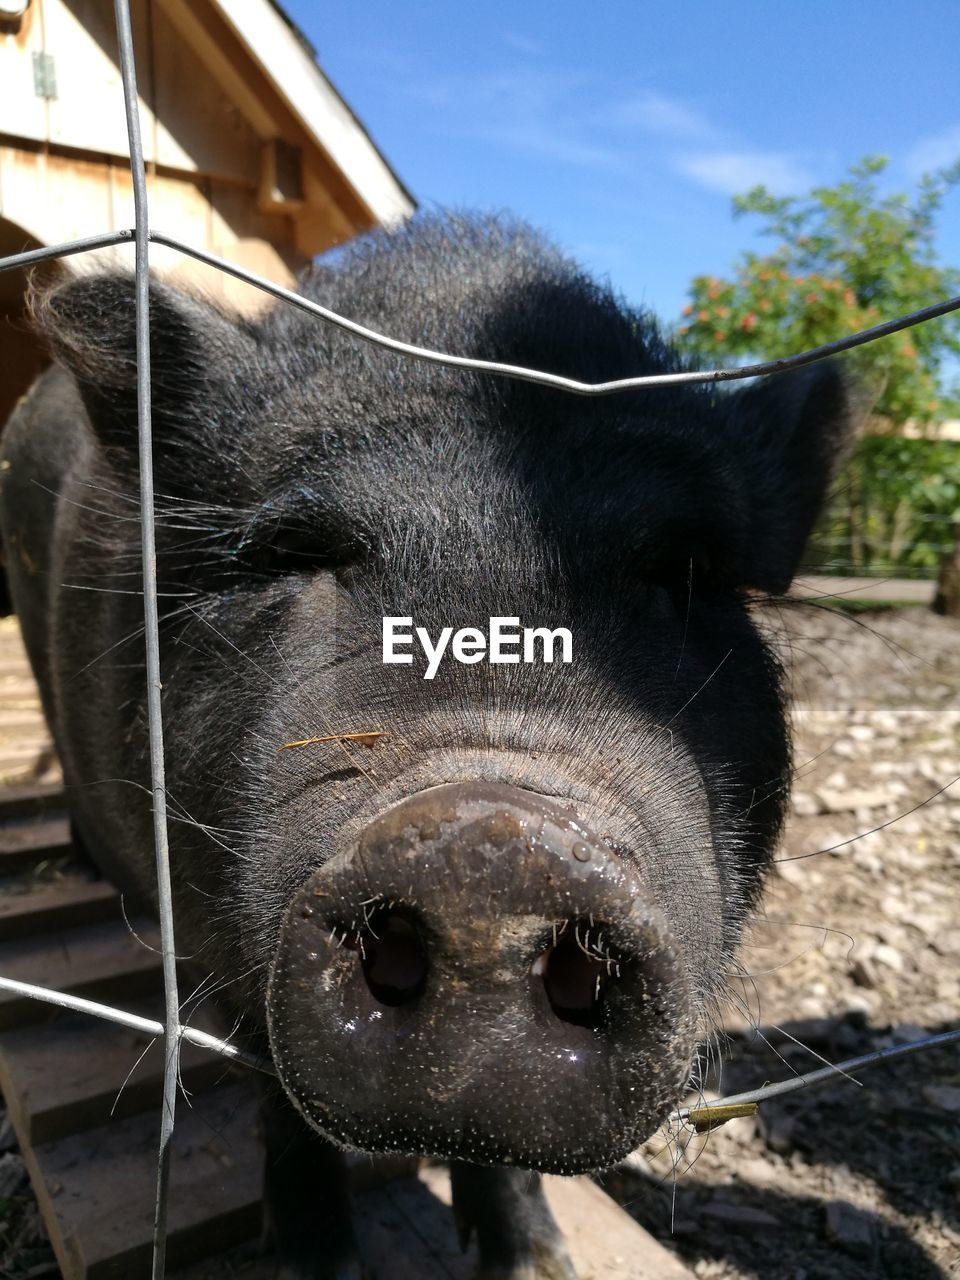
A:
(518, 372)
(823, 1075)
(77, 1004)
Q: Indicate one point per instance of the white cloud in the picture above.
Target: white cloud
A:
(733, 172)
(667, 117)
(933, 152)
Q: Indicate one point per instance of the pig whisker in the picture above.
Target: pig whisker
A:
(882, 826)
(686, 619)
(133, 635)
(126, 1079)
(366, 922)
(698, 692)
(895, 648)
(123, 591)
(800, 1044)
(824, 929)
(103, 512)
(142, 941)
(220, 986)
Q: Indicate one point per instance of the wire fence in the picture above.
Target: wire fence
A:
(142, 235)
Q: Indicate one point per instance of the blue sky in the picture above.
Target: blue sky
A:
(622, 129)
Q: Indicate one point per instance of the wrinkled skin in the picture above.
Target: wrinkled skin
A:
(309, 485)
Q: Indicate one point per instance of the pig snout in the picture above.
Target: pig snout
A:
(481, 977)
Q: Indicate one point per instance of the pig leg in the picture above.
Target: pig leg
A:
(516, 1234)
(307, 1199)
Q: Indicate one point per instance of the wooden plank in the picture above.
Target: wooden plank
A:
(96, 1189)
(23, 845)
(32, 800)
(101, 962)
(605, 1242)
(407, 1232)
(73, 1072)
(61, 904)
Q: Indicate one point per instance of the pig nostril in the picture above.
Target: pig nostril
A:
(576, 970)
(392, 954)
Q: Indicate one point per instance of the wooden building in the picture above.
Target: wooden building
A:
(251, 152)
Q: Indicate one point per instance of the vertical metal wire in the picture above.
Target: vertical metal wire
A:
(152, 632)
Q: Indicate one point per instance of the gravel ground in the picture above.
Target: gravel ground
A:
(857, 948)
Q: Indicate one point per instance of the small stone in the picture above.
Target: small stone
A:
(860, 1005)
(893, 907)
(925, 922)
(889, 956)
(868, 862)
(741, 1215)
(946, 943)
(850, 801)
(777, 1130)
(804, 804)
(945, 1097)
(793, 873)
(837, 781)
(759, 1173)
(851, 1228)
(864, 972)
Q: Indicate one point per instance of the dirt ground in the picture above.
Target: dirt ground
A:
(858, 948)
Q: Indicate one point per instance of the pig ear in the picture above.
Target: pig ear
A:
(790, 431)
(90, 324)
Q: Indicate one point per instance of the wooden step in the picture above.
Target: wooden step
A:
(100, 962)
(61, 904)
(96, 1189)
(31, 801)
(25, 844)
(72, 1072)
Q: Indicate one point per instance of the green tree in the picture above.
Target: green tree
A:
(846, 258)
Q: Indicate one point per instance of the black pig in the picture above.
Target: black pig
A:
(492, 927)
